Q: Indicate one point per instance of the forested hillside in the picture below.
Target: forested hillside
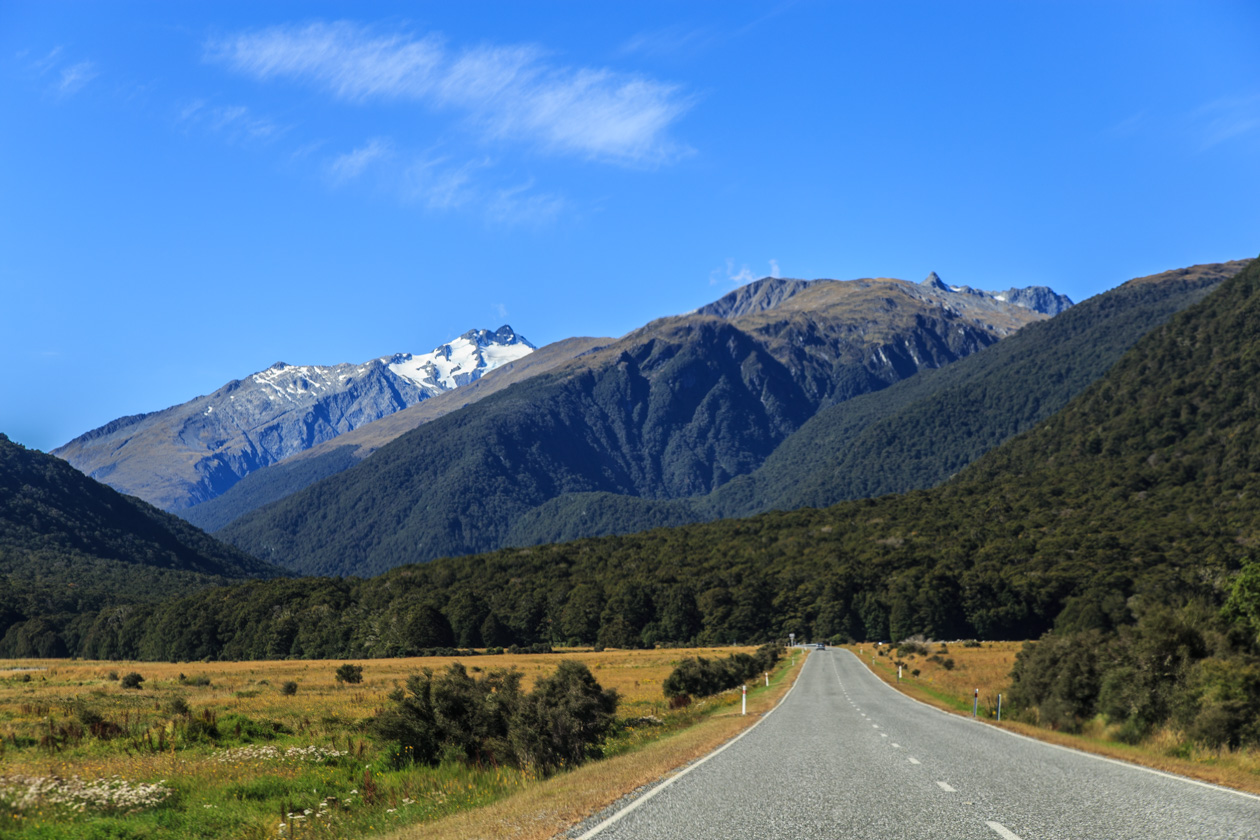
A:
(70, 545)
(1140, 495)
(917, 432)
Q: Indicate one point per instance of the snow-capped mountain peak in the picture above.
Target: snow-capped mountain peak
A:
(461, 361)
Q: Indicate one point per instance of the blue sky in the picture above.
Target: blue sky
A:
(191, 192)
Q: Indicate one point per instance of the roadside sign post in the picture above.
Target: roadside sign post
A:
(975, 704)
(744, 701)
(999, 708)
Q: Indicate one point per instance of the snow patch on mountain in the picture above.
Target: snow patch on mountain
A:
(464, 360)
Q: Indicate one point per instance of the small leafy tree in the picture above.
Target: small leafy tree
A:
(131, 680)
(349, 673)
(289, 688)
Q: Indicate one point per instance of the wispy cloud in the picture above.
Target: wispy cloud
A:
(442, 183)
(1227, 118)
(504, 92)
(741, 275)
(669, 41)
(235, 122)
(523, 206)
(351, 165)
(75, 77)
(68, 78)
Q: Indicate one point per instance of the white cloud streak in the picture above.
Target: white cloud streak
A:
(505, 92)
(75, 77)
(351, 165)
(1227, 118)
(235, 122)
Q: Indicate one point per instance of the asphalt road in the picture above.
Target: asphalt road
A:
(845, 756)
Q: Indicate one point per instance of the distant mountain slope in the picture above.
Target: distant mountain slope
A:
(192, 452)
(676, 408)
(276, 481)
(1141, 494)
(69, 544)
(916, 433)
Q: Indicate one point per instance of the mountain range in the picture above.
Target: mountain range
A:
(676, 408)
(1137, 496)
(1136, 493)
(186, 454)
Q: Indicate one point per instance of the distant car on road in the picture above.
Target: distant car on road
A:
(821, 646)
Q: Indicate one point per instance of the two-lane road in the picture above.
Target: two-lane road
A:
(846, 756)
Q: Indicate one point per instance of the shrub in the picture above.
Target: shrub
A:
(350, 673)
(131, 680)
(289, 688)
(452, 713)
(178, 706)
(701, 677)
(487, 719)
(564, 720)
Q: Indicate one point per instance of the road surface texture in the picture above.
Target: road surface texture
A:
(846, 756)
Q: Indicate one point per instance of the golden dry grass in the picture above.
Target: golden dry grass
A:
(988, 669)
(326, 713)
(253, 688)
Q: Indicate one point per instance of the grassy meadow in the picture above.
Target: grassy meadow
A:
(223, 750)
(949, 674)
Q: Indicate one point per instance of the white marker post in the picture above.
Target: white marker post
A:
(767, 679)
(975, 704)
(744, 701)
(999, 708)
(898, 673)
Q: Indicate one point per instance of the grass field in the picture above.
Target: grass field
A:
(219, 750)
(987, 667)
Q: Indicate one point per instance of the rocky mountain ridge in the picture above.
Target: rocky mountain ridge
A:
(188, 453)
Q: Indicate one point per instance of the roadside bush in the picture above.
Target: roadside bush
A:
(131, 680)
(488, 719)
(349, 673)
(453, 714)
(564, 720)
(700, 677)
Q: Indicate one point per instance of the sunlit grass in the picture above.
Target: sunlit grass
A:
(282, 765)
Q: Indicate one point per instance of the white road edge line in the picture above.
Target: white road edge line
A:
(945, 786)
(1095, 756)
(660, 787)
(1002, 831)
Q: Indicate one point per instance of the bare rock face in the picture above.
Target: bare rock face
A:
(189, 453)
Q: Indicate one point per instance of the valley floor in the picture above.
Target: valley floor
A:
(281, 749)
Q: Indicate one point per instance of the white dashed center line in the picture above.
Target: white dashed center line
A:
(914, 760)
(945, 787)
(1002, 831)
